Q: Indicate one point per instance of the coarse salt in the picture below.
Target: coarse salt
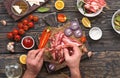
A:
(95, 33)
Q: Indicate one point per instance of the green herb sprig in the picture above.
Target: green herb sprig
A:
(43, 9)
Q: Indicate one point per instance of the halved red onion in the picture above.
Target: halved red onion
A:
(78, 33)
(51, 67)
(74, 25)
(68, 32)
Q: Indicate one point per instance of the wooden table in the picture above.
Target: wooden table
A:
(104, 64)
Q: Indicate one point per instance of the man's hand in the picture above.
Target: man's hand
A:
(73, 60)
(34, 63)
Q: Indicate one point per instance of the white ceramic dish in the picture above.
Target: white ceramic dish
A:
(28, 37)
(87, 14)
(95, 33)
(112, 21)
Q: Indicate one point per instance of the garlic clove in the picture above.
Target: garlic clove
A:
(10, 46)
(90, 53)
(4, 23)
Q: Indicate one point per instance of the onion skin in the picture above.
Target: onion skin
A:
(68, 32)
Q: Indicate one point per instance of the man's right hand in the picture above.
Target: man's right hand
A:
(73, 60)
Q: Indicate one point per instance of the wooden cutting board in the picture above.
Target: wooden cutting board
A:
(8, 4)
(47, 57)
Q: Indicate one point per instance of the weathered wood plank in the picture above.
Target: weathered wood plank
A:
(101, 65)
(110, 37)
(104, 21)
(107, 43)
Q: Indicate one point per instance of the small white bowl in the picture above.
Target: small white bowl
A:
(23, 44)
(112, 21)
(87, 14)
(95, 33)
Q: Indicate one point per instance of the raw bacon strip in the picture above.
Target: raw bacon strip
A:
(102, 3)
(94, 5)
(61, 52)
(53, 55)
(61, 60)
(72, 41)
(57, 46)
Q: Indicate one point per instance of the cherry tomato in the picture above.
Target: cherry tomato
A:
(20, 25)
(21, 31)
(30, 17)
(35, 18)
(61, 18)
(25, 27)
(10, 35)
(25, 21)
(15, 32)
(83, 39)
(17, 37)
(30, 24)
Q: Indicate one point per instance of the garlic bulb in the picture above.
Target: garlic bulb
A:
(10, 46)
(3, 22)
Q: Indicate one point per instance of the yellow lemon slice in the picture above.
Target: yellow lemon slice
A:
(86, 22)
(22, 59)
(59, 4)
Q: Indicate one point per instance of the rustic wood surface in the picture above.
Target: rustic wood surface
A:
(104, 64)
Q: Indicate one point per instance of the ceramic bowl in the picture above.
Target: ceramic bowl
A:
(88, 14)
(22, 42)
(113, 18)
(95, 33)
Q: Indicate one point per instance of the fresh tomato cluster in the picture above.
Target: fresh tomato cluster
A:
(23, 26)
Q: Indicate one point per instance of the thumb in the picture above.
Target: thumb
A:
(66, 53)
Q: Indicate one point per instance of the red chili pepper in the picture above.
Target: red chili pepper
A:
(44, 38)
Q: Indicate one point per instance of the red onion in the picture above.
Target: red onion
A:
(74, 25)
(68, 32)
(51, 67)
(78, 33)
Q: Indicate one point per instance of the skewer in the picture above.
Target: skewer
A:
(107, 7)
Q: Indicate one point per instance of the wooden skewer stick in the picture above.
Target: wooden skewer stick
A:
(107, 7)
(103, 12)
